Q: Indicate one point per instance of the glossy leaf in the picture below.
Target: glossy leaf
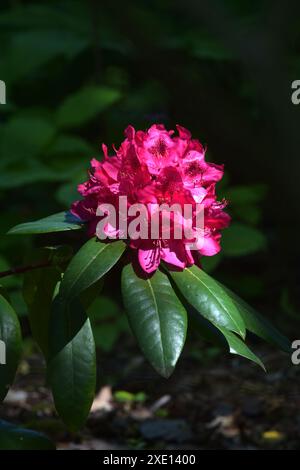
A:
(10, 346)
(72, 364)
(156, 316)
(237, 346)
(209, 298)
(221, 337)
(259, 325)
(88, 296)
(92, 261)
(13, 437)
(63, 221)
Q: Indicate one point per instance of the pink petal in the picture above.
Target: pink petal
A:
(149, 259)
(210, 247)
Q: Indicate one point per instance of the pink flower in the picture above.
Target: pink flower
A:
(153, 168)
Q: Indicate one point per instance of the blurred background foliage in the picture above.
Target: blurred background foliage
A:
(77, 73)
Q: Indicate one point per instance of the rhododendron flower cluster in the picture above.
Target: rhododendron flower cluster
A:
(157, 167)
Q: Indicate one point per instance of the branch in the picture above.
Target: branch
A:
(24, 269)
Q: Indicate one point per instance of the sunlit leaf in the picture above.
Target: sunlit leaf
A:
(93, 260)
(209, 298)
(156, 316)
(61, 222)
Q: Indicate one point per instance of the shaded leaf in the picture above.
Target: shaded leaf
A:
(221, 337)
(72, 364)
(13, 437)
(29, 50)
(244, 195)
(28, 172)
(88, 297)
(85, 104)
(259, 325)
(38, 290)
(239, 240)
(24, 137)
(237, 346)
(69, 144)
(10, 346)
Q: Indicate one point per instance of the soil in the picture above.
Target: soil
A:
(212, 401)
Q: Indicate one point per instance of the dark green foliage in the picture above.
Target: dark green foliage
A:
(77, 73)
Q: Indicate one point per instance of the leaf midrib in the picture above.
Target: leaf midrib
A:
(217, 299)
(157, 314)
(69, 291)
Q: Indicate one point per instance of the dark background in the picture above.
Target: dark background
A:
(77, 73)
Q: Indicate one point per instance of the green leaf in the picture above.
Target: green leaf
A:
(223, 338)
(200, 45)
(209, 298)
(29, 172)
(85, 104)
(24, 137)
(34, 16)
(106, 336)
(68, 144)
(259, 325)
(9, 282)
(38, 289)
(206, 48)
(14, 438)
(245, 195)
(108, 322)
(250, 214)
(61, 222)
(206, 329)
(156, 316)
(67, 193)
(240, 240)
(10, 346)
(88, 297)
(122, 396)
(39, 48)
(237, 346)
(92, 261)
(210, 263)
(72, 364)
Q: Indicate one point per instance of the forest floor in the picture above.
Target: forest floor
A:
(213, 401)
